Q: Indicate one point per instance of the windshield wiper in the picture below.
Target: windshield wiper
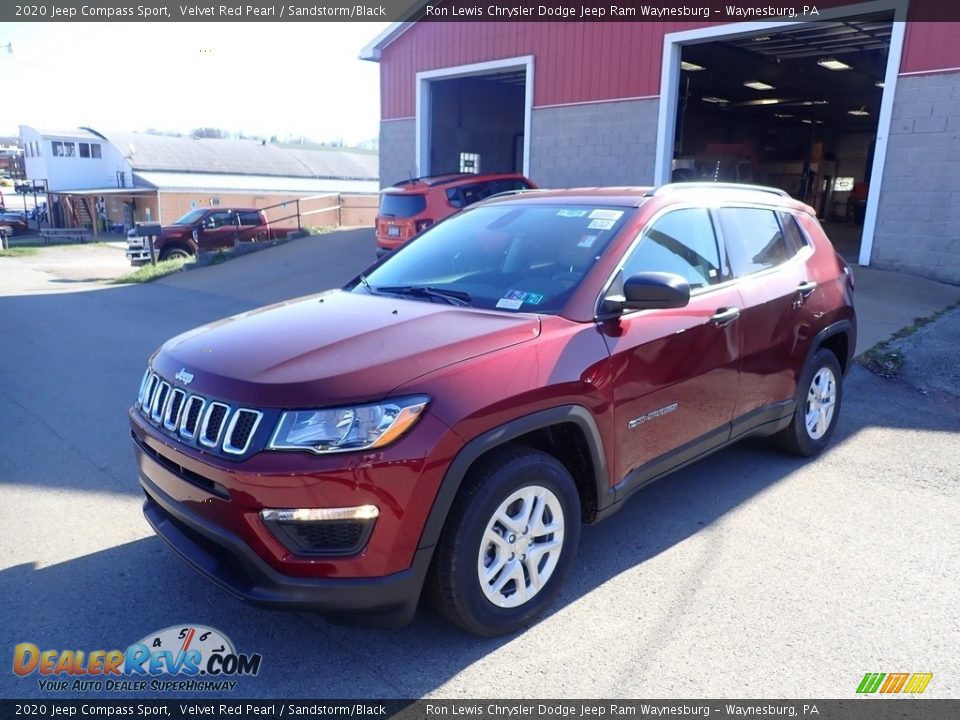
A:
(454, 297)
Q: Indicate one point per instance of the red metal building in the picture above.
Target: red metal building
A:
(863, 99)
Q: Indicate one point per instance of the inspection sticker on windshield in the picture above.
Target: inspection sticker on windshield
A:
(601, 224)
(587, 241)
(571, 213)
(515, 298)
(606, 214)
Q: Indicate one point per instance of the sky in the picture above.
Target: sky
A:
(290, 79)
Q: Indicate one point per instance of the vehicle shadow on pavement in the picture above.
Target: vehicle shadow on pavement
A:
(114, 597)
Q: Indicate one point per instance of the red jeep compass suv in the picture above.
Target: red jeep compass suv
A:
(447, 421)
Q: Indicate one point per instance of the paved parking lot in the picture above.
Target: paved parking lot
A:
(752, 574)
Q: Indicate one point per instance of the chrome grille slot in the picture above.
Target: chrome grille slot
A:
(213, 422)
(159, 404)
(172, 416)
(191, 417)
(148, 395)
(143, 387)
(240, 431)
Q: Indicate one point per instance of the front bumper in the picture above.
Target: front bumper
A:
(225, 559)
(207, 509)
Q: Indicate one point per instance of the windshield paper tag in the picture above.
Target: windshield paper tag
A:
(606, 215)
(587, 241)
(571, 213)
(515, 298)
(601, 224)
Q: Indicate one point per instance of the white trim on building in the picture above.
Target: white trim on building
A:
(523, 62)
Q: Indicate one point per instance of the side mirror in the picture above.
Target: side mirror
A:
(648, 291)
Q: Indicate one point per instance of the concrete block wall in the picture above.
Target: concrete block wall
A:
(398, 150)
(610, 143)
(918, 222)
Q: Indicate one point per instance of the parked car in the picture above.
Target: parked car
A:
(15, 221)
(411, 206)
(449, 419)
(205, 229)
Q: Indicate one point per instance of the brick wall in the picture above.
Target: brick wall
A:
(918, 223)
(611, 143)
(397, 151)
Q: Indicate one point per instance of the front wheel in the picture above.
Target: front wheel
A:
(509, 543)
(175, 253)
(818, 406)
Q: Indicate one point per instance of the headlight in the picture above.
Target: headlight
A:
(346, 429)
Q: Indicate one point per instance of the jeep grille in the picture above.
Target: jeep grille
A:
(195, 418)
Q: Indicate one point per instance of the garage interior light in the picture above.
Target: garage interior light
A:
(715, 100)
(833, 64)
(783, 115)
(692, 67)
(862, 112)
(761, 38)
(879, 83)
(757, 85)
(816, 102)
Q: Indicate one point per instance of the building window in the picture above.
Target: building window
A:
(64, 149)
(29, 150)
(84, 150)
(469, 162)
(95, 150)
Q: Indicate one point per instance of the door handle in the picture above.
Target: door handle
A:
(805, 288)
(725, 316)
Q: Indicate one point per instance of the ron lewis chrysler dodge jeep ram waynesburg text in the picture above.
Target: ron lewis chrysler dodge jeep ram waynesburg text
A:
(445, 423)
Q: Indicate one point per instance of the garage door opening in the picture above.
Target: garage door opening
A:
(475, 118)
(795, 107)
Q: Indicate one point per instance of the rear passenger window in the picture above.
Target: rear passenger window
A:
(249, 218)
(792, 233)
(754, 236)
(680, 242)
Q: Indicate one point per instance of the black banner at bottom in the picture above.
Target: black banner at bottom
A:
(853, 709)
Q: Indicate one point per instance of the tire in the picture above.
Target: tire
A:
(477, 541)
(814, 420)
(173, 253)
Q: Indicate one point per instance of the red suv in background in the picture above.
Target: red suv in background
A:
(411, 206)
(449, 419)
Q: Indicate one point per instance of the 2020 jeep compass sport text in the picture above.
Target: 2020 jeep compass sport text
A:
(445, 423)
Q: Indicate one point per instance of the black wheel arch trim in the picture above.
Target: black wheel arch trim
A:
(503, 434)
(847, 327)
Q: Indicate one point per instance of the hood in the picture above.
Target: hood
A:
(334, 348)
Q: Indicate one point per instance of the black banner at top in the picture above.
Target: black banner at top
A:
(456, 10)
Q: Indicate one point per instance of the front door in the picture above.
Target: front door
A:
(218, 231)
(675, 371)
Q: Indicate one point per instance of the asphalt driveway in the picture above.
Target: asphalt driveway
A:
(752, 574)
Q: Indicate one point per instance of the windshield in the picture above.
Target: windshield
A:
(190, 218)
(512, 257)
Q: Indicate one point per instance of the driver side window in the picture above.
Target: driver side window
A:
(681, 242)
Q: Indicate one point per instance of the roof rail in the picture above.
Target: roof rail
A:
(518, 191)
(671, 187)
(446, 177)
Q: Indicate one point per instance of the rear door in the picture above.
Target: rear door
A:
(775, 287)
(675, 371)
(251, 226)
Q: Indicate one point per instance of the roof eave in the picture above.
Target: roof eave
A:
(373, 51)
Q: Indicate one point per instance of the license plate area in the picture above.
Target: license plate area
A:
(393, 231)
